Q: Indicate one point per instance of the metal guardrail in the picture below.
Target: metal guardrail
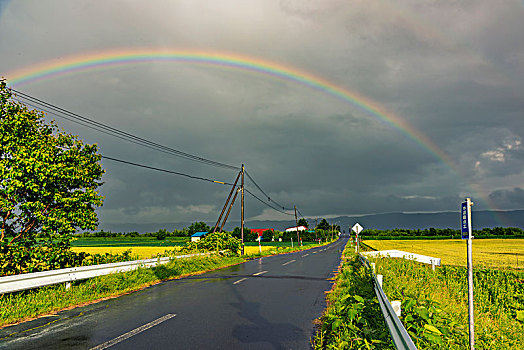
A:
(400, 336)
(15, 283)
(406, 255)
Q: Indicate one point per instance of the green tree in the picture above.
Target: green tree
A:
(323, 225)
(48, 179)
(198, 227)
(303, 222)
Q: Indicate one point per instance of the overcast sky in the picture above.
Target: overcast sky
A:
(452, 70)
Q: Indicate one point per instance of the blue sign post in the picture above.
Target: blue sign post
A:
(466, 219)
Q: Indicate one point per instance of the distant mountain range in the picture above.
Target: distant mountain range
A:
(481, 219)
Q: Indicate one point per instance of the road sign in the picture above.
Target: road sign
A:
(466, 219)
(357, 228)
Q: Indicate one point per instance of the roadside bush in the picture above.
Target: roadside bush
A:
(217, 241)
(25, 258)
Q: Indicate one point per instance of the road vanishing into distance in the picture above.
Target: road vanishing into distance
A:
(266, 303)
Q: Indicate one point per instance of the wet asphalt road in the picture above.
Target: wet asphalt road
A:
(266, 303)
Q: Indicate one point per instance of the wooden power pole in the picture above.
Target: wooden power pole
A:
(296, 225)
(242, 212)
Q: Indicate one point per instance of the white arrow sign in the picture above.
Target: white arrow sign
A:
(357, 228)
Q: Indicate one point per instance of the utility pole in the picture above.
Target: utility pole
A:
(296, 225)
(242, 212)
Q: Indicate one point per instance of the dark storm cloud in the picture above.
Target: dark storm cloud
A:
(508, 199)
(454, 71)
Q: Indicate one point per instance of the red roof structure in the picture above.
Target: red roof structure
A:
(260, 231)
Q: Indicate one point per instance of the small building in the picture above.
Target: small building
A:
(260, 231)
(196, 237)
(299, 228)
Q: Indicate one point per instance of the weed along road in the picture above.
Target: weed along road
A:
(266, 303)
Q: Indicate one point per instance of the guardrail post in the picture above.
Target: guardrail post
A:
(432, 264)
(379, 279)
(396, 306)
(373, 266)
(68, 285)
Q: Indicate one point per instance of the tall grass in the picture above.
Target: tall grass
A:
(435, 304)
(353, 319)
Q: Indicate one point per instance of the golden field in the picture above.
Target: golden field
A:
(486, 252)
(254, 249)
(141, 252)
(148, 252)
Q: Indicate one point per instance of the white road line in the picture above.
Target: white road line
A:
(314, 252)
(135, 331)
(289, 262)
(240, 280)
(305, 255)
(259, 273)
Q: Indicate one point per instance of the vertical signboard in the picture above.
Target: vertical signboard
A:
(464, 220)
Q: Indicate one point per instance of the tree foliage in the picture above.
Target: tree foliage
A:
(323, 225)
(303, 222)
(198, 227)
(48, 178)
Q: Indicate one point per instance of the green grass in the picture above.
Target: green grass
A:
(353, 319)
(438, 300)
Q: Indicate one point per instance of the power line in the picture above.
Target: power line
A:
(166, 171)
(265, 194)
(109, 130)
(192, 177)
(265, 203)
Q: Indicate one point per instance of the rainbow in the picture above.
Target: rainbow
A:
(111, 58)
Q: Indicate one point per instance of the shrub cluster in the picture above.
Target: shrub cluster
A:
(215, 242)
(25, 258)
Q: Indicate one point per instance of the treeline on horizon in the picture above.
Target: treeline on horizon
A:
(268, 235)
(441, 233)
(313, 235)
